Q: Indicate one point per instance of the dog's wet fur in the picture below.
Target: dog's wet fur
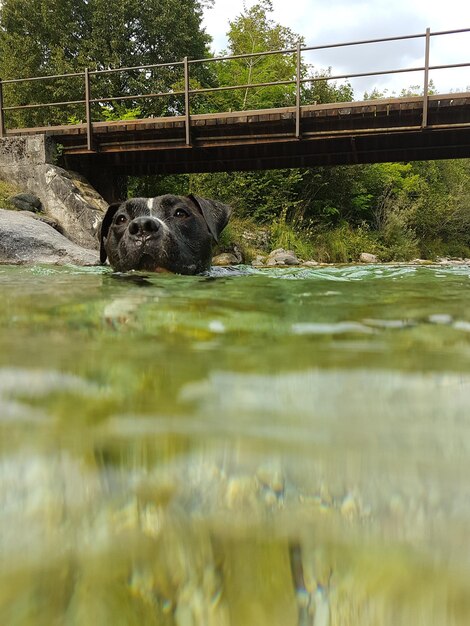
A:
(165, 233)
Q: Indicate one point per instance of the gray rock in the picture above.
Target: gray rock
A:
(258, 261)
(25, 202)
(256, 238)
(70, 200)
(25, 239)
(310, 263)
(282, 257)
(46, 219)
(28, 163)
(366, 257)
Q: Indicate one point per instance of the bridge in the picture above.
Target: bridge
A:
(429, 126)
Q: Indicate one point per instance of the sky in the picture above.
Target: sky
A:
(334, 21)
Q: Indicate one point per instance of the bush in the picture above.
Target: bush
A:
(296, 236)
(7, 190)
(398, 238)
(244, 234)
(344, 244)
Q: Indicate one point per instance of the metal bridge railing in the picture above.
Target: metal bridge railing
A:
(90, 99)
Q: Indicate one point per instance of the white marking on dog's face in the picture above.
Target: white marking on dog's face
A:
(150, 202)
(151, 206)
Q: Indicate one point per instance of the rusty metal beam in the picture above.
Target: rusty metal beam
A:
(187, 111)
(426, 79)
(298, 112)
(89, 124)
(2, 118)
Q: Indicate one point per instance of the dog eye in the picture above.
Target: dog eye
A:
(121, 219)
(181, 213)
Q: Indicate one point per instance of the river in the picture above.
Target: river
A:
(251, 447)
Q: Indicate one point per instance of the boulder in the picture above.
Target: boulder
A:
(25, 202)
(66, 197)
(366, 257)
(256, 238)
(46, 219)
(258, 261)
(73, 203)
(310, 263)
(226, 258)
(282, 257)
(25, 239)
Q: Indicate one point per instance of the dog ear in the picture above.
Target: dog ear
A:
(215, 213)
(104, 229)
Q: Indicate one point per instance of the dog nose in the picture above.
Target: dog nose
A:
(143, 226)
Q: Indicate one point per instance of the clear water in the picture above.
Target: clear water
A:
(268, 447)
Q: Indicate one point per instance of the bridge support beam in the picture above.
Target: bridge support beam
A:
(110, 185)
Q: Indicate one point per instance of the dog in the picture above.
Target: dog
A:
(166, 233)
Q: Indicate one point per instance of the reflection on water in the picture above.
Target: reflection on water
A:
(268, 447)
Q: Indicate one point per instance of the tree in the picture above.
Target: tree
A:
(265, 195)
(63, 36)
(254, 32)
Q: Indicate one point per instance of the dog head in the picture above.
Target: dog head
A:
(166, 233)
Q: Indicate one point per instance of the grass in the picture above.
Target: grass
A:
(342, 244)
(6, 190)
(250, 238)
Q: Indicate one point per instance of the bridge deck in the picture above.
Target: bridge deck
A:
(338, 133)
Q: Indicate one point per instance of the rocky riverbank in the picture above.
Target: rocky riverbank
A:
(28, 238)
(288, 258)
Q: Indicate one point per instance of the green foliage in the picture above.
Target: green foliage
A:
(251, 32)
(441, 213)
(258, 195)
(398, 238)
(151, 186)
(344, 244)
(242, 233)
(412, 90)
(322, 90)
(293, 235)
(119, 112)
(62, 36)
(6, 190)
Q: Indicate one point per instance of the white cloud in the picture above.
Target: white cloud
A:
(335, 21)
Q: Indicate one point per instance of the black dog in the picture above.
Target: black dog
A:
(166, 233)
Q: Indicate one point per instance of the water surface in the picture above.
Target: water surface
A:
(251, 447)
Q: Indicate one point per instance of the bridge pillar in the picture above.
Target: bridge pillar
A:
(110, 185)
